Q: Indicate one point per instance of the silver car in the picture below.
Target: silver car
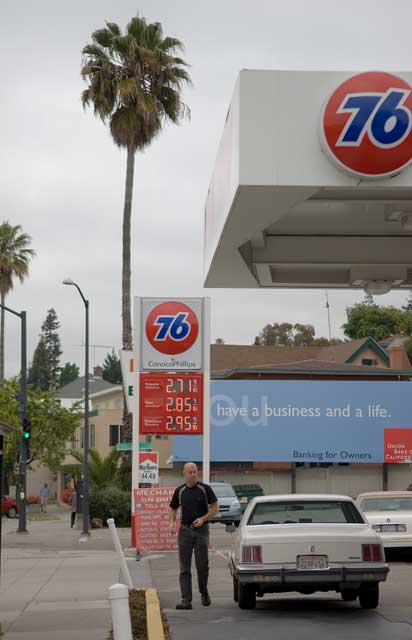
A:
(230, 511)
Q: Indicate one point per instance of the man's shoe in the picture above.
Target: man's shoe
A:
(205, 599)
(184, 605)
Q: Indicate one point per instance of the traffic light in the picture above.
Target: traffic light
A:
(26, 428)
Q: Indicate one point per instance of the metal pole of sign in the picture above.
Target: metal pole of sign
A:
(206, 390)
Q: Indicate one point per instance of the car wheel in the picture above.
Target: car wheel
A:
(369, 596)
(349, 595)
(12, 512)
(235, 590)
(236, 523)
(246, 596)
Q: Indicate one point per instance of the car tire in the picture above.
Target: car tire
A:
(246, 596)
(235, 589)
(369, 596)
(12, 512)
(236, 523)
(349, 595)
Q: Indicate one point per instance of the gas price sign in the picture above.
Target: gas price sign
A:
(171, 403)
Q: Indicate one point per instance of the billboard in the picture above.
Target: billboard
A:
(306, 421)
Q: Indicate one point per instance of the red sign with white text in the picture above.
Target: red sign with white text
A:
(398, 445)
(151, 521)
(171, 403)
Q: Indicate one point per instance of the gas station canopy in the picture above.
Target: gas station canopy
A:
(312, 185)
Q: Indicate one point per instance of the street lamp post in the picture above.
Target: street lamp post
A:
(85, 503)
(23, 415)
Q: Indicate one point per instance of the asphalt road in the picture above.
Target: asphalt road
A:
(284, 616)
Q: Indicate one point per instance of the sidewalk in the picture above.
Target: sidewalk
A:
(53, 586)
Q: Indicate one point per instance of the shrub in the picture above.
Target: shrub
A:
(111, 502)
(66, 495)
(33, 500)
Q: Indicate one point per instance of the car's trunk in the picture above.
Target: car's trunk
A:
(332, 540)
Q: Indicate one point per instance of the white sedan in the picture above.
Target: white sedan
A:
(390, 514)
(306, 543)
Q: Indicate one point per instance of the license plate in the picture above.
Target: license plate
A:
(312, 562)
(389, 527)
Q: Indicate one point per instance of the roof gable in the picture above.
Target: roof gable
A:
(369, 343)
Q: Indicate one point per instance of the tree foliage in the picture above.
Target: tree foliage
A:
(68, 373)
(408, 304)
(102, 471)
(45, 368)
(219, 341)
(15, 255)
(365, 320)
(112, 371)
(286, 334)
(52, 425)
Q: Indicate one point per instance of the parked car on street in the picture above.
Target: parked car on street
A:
(9, 507)
(390, 514)
(229, 505)
(306, 543)
(246, 492)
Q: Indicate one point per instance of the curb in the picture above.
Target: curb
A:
(153, 616)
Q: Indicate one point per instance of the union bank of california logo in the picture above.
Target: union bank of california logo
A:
(365, 126)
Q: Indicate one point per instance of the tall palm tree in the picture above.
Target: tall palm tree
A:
(15, 254)
(134, 85)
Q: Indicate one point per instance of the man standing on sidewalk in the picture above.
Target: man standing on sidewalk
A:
(44, 498)
(199, 505)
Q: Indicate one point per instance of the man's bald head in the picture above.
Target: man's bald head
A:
(190, 474)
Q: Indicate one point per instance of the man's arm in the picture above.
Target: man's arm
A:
(172, 519)
(212, 511)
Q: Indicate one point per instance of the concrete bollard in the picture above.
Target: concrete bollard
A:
(119, 604)
(123, 564)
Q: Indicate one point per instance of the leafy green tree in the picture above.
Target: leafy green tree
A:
(368, 299)
(134, 85)
(407, 345)
(68, 373)
(408, 305)
(102, 471)
(45, 368)
(304, 335)
(52, 425)
(219, 341)
(278, 334)
(38, 375)
(376, 322)
(15, 255)
(112, 371)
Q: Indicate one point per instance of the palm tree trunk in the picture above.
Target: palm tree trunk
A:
(126, 310)
(3, 299)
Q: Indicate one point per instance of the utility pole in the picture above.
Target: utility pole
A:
(23, 416)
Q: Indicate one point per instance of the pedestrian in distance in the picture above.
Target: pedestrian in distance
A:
(44, 498)
(73, 502)
(198, 505)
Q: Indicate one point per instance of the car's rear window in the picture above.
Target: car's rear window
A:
(387, 504)
(333, 511)
(223, 490)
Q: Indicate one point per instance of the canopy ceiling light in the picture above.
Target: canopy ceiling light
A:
(377, 287)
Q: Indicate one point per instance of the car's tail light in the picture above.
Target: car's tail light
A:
(371, 553)
(366, 553)
(252, 553)
(376, 553)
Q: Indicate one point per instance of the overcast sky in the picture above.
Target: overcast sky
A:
(62, 178)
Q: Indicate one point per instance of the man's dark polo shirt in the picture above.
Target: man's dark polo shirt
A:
(194, 501)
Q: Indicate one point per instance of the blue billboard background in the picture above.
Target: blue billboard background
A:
(300, 421)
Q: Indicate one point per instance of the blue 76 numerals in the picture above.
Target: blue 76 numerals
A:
(384, 117)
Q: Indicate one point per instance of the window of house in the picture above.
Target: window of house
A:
(116, 434)
(368, 362)
(73, 440)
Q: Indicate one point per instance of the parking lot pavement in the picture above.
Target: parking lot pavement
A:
(284, 616)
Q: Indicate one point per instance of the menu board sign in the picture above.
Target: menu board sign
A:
(151, 521)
